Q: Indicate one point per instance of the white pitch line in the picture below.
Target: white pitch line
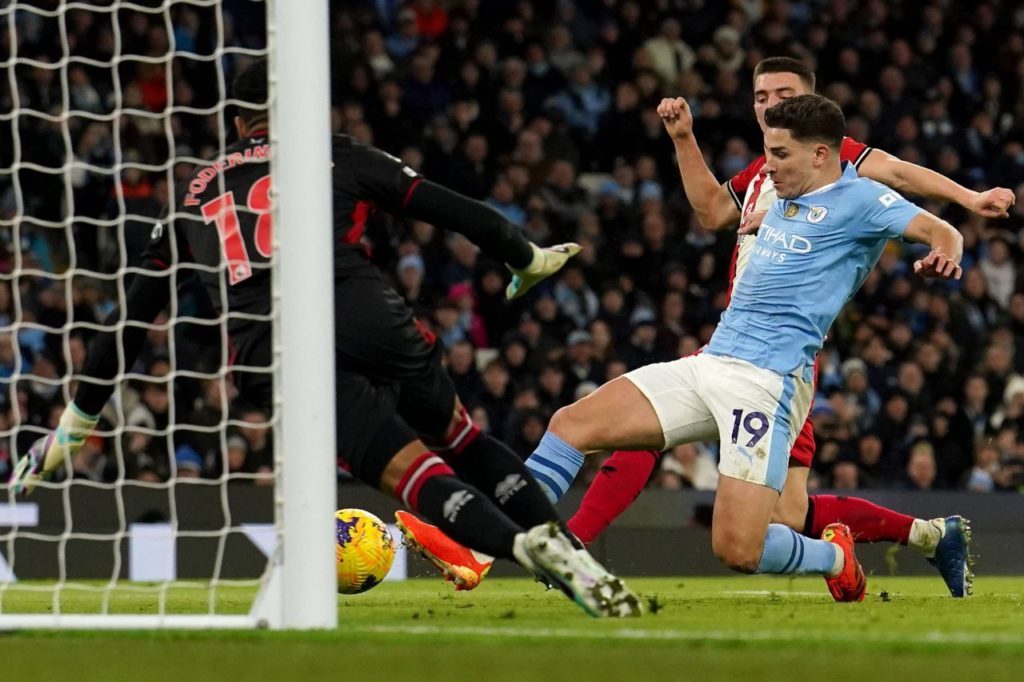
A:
(925, 595)
(801, 636)
(777, 593)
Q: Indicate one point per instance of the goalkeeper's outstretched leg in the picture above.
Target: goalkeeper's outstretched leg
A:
(382, 450)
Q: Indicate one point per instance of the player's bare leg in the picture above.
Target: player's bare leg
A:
(616, 416)
(791, 508)
(743, 538)
(743, 511)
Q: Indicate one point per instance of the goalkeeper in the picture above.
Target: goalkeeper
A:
(401, 427)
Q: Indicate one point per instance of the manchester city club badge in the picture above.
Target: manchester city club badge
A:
(816, 214)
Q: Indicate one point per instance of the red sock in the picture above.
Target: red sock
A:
(622, 477)
(867, 521)
(422, 470)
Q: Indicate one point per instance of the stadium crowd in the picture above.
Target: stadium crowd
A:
(546, 111)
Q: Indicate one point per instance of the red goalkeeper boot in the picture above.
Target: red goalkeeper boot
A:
(850, 584)
(460, 565)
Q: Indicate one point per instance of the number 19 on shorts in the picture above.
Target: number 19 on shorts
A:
(754, 423)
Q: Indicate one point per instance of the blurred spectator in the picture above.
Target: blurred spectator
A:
(465, 302)
(424, 94)
(921, 470)
(411, 272)
(865, 401)
(552, 389)
(999, 271)
(187, 462)
(406, 38)
(580, 365)
(565, 201)
(143, 444)
(997, 369)
(251, 447)
(687, 466)
(982, 477)
(575, 298)
(495, 398)
(462, 368)
(974, 404)
(845, 476)
(529, 429)
(953, 441)
(642, 348)
(669, 56)
(376, 55)
(874, 470)
(602, 341)
(502, 199)
(431, 18)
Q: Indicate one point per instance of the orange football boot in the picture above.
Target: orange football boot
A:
(850, 584)
(459, 564)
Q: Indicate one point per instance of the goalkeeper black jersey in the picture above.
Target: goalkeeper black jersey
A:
(222, 217)
(220, 227)
(221, 214)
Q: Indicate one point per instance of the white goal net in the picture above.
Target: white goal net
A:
(178, 512)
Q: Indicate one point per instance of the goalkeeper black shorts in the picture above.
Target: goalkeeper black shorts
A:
(251, 358)
(391, 384)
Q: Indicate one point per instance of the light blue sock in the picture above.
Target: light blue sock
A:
(786, 551)
(554, 464)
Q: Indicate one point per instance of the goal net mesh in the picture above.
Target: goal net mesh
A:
(106, 108)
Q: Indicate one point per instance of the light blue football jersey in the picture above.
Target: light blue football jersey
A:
(812, 253)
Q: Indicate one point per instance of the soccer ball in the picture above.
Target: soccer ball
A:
(365, 550)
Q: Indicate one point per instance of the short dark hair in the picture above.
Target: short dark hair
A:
(250, 87)
(809, 118)
(786, 65)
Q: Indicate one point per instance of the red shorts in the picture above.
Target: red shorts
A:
(803, 449)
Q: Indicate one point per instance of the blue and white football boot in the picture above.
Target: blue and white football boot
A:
(953, 556)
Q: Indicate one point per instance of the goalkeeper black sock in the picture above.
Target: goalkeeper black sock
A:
(463, 513)
(467, 516)
(491, 466)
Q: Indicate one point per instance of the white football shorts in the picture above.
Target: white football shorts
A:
(755, 414)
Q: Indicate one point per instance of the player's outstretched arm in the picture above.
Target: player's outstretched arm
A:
(710, 200)
(145, 298)
(943, 261)
(909, 178)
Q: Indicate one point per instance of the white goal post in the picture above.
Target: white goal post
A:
(300, 96)
(297, 586)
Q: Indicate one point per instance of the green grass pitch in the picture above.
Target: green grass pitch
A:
(737, 628)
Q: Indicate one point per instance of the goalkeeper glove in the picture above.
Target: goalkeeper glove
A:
(51, 451)
(545, 263)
